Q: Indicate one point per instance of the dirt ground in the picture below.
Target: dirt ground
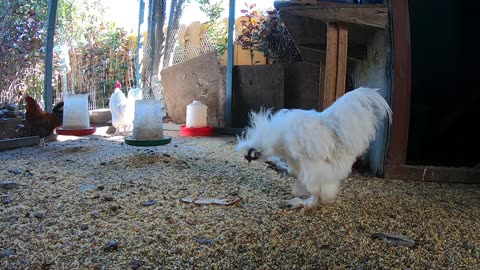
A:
(96, 203)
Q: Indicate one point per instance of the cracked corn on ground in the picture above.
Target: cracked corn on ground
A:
(95, 203)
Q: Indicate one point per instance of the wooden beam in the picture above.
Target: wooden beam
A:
(341, 60)
(401, 53)
(321, 4)
(374, 17)
(433, 174)
(331, 65)
(48, 91)
(321, 85)
(19, 142)
(290, 3)
(230, 64)
(139, 56)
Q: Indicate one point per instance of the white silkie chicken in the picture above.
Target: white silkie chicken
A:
(319, 147)
(123, 108)
(133, 94)
(118, 105)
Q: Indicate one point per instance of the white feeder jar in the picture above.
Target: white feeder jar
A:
(75, 112)
(196, 115)
(147, 125)
(147, 121)
(196, 124)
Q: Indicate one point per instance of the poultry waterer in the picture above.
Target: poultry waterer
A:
(76, 119)
(147, 125)
(196, 124)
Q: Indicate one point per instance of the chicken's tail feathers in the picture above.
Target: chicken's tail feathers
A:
(357, 117)
(58, 110)
(371, 100)
(135, 94)
(377, 102)
(58, 107)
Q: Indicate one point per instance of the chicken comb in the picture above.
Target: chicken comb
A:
(118, 85)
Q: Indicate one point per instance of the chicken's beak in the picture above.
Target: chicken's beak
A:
(253, 154)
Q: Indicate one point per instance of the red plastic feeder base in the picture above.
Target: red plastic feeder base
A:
(75, 132)
(191, 132)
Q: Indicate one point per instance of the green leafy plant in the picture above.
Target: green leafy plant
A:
(100, 53)
(216, 28)
(22, 38)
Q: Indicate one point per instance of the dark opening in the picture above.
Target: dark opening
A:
(445, 106)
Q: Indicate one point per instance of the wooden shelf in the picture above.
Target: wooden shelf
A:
(308, 26)
(373, 16)
(331, 33)
(19, 142)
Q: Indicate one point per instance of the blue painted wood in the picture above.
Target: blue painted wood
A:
(139, 50)
(151, 40)
(52, 16)
(230, 55)
(173, 4)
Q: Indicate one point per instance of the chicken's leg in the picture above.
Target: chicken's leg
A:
(303, 203)
(279, 165)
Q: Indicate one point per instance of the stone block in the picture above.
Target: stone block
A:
(199, 78)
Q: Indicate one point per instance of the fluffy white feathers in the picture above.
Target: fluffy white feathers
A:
(319, 147)
(123, 108)
(118, 107)
(133, 94)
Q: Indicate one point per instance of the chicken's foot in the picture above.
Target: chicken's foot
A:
(308, 203)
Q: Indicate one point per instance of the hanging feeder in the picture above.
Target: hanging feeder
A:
(76, 120)
(147, 125)
(196, 124)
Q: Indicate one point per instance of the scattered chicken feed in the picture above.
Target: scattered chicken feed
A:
(96, 203)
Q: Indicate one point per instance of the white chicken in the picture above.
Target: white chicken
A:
(123, 108)
(118, 105)
(319, 147)
(133, 94)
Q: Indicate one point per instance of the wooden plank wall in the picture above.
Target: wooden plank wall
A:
(336, 63)
(397, 152)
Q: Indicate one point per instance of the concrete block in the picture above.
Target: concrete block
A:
(199, 78)
(100, 116)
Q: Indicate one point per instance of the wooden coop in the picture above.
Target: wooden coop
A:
(375, 45)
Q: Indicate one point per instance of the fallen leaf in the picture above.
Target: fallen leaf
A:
(187, 200)
(228, 201)
(149, 203)
(11, 185)
(396, 239)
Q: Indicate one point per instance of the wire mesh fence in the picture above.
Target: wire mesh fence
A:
(96, 69)
(96, 79)
(183, 51)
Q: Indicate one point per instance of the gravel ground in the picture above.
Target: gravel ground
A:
(96, 203)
